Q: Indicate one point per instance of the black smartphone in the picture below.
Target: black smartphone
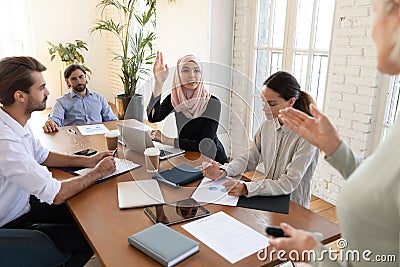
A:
(86, 152)
(275, 231)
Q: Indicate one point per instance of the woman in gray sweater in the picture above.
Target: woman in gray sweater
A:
(289, 160)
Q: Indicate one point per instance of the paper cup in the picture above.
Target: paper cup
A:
(152, 159)
(112, 140)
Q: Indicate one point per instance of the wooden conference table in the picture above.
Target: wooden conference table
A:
(107, 228)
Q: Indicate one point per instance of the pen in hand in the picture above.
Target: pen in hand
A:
(115, 152)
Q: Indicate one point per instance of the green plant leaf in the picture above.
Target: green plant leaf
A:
(137, 47)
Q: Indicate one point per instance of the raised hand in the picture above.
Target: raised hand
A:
(317, 130)
(160, 70)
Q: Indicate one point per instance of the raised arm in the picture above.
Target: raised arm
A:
(160, 71)
(319, 131)
(156, 111)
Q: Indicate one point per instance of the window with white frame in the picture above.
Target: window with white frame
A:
(14, 34)
(294, 36)
(392, 105)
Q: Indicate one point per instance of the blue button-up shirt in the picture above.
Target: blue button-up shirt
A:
(72, 109)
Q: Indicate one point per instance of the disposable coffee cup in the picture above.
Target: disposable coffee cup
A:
(112, 140)
(152, 159)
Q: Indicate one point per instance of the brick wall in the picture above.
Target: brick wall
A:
(114, 67)
(241, 81)
(351, 92)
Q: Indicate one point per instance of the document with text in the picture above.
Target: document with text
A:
(93, 129)
(122, 166)
(227, 236)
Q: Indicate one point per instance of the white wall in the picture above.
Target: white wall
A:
(352, 89)
(61, 21)
(183, 28)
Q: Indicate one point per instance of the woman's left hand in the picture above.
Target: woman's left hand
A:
(295, 240)
(234, 187)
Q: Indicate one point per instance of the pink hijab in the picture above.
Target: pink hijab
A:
(192, 103)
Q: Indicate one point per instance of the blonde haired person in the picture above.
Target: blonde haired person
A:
(369, 204)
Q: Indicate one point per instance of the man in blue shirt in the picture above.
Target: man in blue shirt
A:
(80, 105)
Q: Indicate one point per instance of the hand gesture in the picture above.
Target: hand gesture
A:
(317, 130)
(160, 70)
(211, 170)
(235, 188)
(50, 126)
(295, 239)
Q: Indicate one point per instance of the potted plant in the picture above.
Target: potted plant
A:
(69, 53)
(136, 50)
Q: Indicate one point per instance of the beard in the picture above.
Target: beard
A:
(79, 88)
(34, 105)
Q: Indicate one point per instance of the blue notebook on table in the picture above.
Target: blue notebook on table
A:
(179, 175)
(164, 244)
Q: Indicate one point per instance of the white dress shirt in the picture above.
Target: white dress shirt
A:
(21, 174)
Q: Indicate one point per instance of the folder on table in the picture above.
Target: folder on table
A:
(179, 175)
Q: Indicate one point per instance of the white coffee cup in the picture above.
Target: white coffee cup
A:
(152, 159)
(112, 140)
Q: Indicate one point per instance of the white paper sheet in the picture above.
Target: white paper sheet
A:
(210, 191)
(227, 236)
(122, 165)
(93, 129)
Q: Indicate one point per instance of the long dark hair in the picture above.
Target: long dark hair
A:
(286, 85)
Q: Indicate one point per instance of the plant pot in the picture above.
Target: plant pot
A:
(129, 107)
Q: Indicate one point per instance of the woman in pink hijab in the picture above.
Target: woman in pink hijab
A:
(197, 112)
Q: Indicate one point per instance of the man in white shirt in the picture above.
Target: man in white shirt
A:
(30, 198)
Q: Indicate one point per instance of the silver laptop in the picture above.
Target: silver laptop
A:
(136, 137)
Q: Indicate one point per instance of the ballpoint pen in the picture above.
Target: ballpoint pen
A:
(115, 152)
(72, 131)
